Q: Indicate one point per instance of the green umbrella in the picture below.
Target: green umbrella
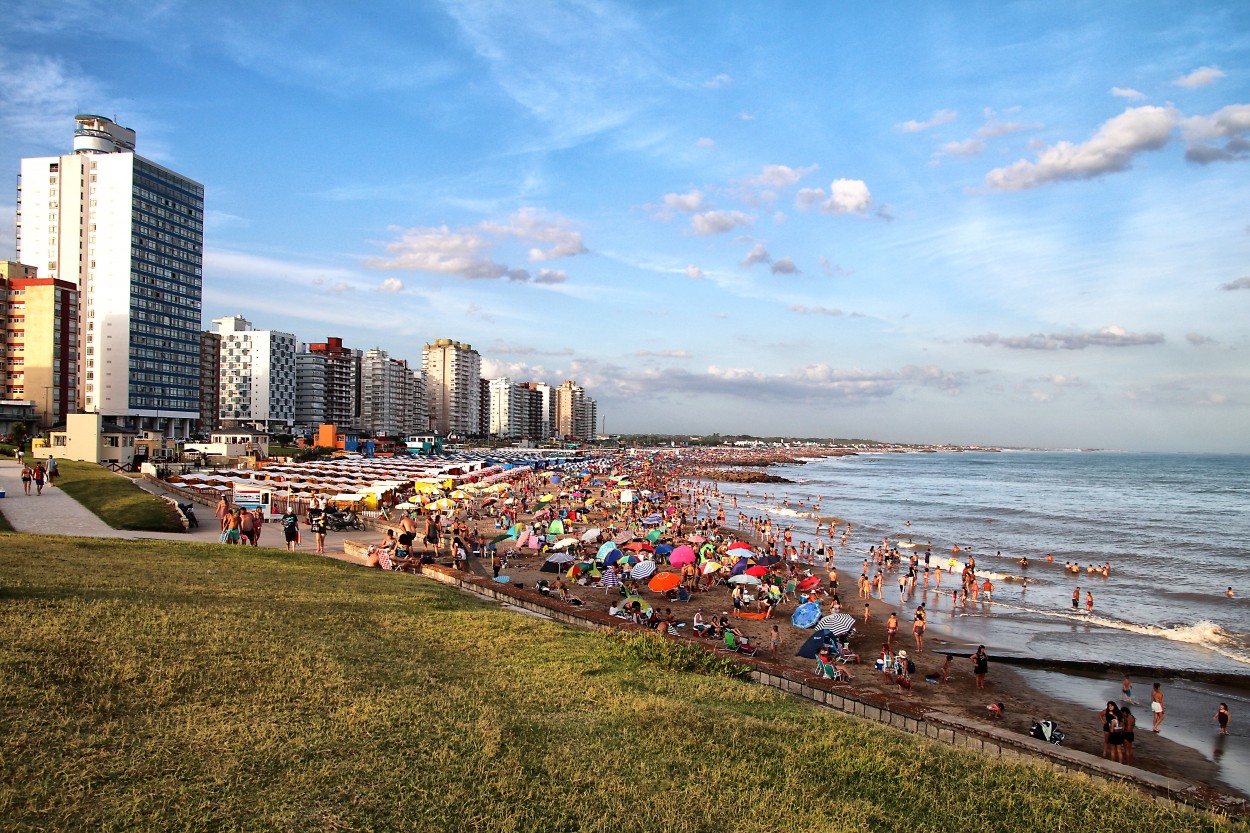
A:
(556, 527)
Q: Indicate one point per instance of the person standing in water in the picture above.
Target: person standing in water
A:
(1126, 691)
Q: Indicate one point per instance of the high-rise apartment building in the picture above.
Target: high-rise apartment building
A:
(129, 234)
(257, 376)
(420, 402)
(576, 413)
(541, 410)
(387, 393)
(39, 338)
(509, 409)
(342, 382)
(210, 381)
(310, 390)
(453, 374)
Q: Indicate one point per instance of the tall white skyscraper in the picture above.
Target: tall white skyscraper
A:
(130, 234)
(509, 416)
(257, 376)
(453, 376)
(387, 391)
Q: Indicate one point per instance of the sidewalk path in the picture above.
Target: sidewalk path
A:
(56, 513)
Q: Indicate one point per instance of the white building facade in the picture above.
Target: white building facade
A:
(388, 390)
(130, 234)
(257, 376)
(509, 416)
(453, 374)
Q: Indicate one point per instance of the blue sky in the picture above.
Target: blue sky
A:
(1001, 223)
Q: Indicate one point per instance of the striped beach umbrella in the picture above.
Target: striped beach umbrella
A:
(642, 569)
(837, 623)
(610, 578)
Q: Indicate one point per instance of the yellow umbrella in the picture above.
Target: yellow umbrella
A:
(443, 503)
(459, 494)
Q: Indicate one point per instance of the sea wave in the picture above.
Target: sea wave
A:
(1204, 634)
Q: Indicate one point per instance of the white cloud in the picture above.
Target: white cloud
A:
(996, 129)
(705, 142)
(1111, 336)
(966, 148)
(391, 285)
(1230, 124)
(719, 222)
(938, 118)
(758, 254)
(1198, 339)
(531, 224)
(40, 97)
(694, 272)
(687, 203)
(1113, 148)
(848, 196)
(745, 116)
(1127, 92)
(1200, 77)
(718, 81)
(816, 310)
(550, 276)
(809, 198)
(777, 177)
(785, 266)
(664, 354)
(465, 252)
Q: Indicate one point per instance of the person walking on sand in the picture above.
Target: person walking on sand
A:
(1222, 717)
(917, 629)
(891, 628)
(1156, 706)
(774, 642)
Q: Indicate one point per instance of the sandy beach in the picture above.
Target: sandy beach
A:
(1021, 702)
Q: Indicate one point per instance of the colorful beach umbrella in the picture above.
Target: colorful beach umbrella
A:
(757, 571)
(681, 555)
(663, 582)
(629, 601)
(556, 527)
(805, 615)
(738, 545)
(809, 582)
(711, 567)
(604, 550)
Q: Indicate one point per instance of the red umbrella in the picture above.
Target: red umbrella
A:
(738, 545)
(757, 571)
(809, 582)
(663, 582)
(638, 546)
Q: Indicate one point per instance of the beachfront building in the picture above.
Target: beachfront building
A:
(508, 403)
(210, 381)
(310, 391)
(576, 413)
(257, 376)
(129, 235)
(342, 406)
(453, 373)
(387, 392)
(420, 406)
(540, 409)
(39, 337)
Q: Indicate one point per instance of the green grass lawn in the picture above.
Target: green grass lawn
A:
(164, 686)
(115, 499)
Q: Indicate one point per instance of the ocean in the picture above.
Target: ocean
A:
(1175, 529)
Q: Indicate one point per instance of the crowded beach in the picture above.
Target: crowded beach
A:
(649, 538)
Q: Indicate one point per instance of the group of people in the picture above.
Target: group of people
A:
(38, 474)
(239, 525)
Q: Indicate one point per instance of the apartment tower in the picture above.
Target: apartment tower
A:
(129, 234)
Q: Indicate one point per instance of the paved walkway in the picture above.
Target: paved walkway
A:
(56, 513)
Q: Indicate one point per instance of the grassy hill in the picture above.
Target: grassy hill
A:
(152, 685)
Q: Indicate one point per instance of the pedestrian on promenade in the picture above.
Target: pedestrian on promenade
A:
(38, 479)
(27, 476)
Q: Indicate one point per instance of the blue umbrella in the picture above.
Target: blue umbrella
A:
(605, 550)
(663, 549)
(612, 557)
(812, 646)
(805, 615)
(502, 579)
(739, 567)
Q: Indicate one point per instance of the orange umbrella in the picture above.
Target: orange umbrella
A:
(663, 582)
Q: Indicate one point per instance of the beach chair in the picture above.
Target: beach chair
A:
(788, 592)
(734, 646)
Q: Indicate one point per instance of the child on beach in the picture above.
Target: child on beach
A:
(1222, 717)
(774, 641)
